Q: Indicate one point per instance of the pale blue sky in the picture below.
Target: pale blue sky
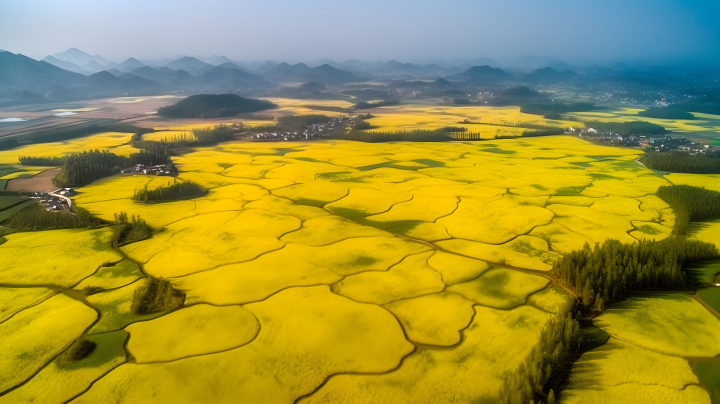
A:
(294, 30)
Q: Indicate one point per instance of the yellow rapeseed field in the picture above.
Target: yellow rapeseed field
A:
(670, 323)
(55, 257)
(32, 337)
(205, 329)
(59, 382)
(345, 272)
(619, 372)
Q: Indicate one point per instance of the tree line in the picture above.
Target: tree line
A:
(436, 135)
(214, 106)
(690, 204)
(625, 128)
(36, 217)
(547, 363)
(298, 122)
(682, 162)
(666, 113)
(605, 273)
(177, 190)
(145, 157)
(87, 166)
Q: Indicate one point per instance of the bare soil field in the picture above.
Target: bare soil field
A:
(43, 116)
(40, 182)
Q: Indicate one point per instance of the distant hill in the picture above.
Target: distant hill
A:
(23, 73)
(231, 65)
(93, 66)
(307, 90)
(328, 75)
(69, 66)
(214, 106)
(267, 66)
(216, 60)
(220, 76)
(483, 74)
(115, 72)
(129, 65)
(78, 57)
(485, 61)
(548, 75)
(166, 77)
(285, 72)
(190, 64)
(106, 84)
(312, 86)
(24, 80)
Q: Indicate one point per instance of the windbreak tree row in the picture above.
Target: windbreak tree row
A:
(683, 162)
(604, 274)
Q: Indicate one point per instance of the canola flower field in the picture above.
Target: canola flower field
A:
(344, 272)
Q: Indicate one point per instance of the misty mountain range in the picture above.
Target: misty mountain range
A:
(74, 74)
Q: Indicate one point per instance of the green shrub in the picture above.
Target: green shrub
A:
(156, 295)
(80, 349)
(177, 190)
(129, 231)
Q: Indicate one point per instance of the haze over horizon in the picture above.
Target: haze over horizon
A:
(512, 33)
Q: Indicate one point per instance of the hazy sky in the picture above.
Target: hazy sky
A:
(413, 30)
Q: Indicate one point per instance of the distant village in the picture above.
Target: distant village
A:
(661, 144)
(315, 131)
(159, 170)
(55, 201)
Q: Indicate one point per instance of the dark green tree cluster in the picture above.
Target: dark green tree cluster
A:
(626, 128)
(400, 136)
(703, 105)
(211, 136)
(214, 106)
(147, 157)
(129, 230)
(36, 217)
(361, 124)
(80, 349)
(156, 295)
(41, 161)
(682, 162)
(604, 274)
(174, 191)
(666, 113)
(690, 204)
(87, 166)
(298, 122)
(546, 364)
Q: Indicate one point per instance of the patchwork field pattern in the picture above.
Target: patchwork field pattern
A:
(337, 272)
